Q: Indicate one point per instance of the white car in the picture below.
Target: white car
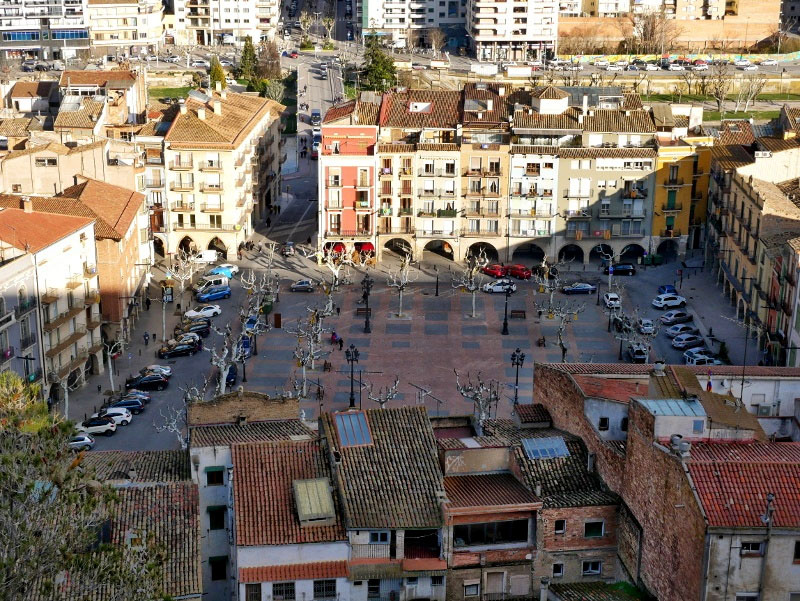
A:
(675, 67)
(680, 328)
(614, 68)
(612, 300)
(534, 63)
(200, 63)
(164, 370)
(700, 67)
(151, 57)
(687, 341)
(81, 442)
(622, 63)
(500, 286)
(98, 425)
(231, 82)
(173, 59)
(203, 311)
(574, 67)
(749, 68)
(504, 65)
(646, 326)
(668, 301)
(185, 338)
(601, 63)
(742, 62)
(651, 67)
(700, 359)
(768, 62)
(120, 415)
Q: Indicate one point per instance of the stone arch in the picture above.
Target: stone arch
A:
(570, 253)
(158, 246)
(186, 245)
(668, 249)
(219, 246)
(741, 310)
(632, 252)
(600, 252)
(440, 247)
(485, 248)
(529, 252)
(399, 246)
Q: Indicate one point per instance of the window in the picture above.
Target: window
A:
(412, 580)
(752, 548)
(216, 517)
(593, 529)
(252, 592)
(472, 589)
(283, 591)
(437, 580)
(491, 533)
(373, 588)
(219, 567)
(796, 558)
(623, 425)
(698, 426)
(18, 188)
(560, 527)
(591, 567)
(558, 570)
(746, 596)
(602, 424)
(325, 589)
(794, 596)
(215, 476)
(378, 538)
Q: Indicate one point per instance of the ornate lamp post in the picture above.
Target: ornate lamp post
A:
(366, 287)
(351, 355)
(517, 359)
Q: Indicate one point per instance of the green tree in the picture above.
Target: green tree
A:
(216, 74)
(249, 61)
(275, 90)
(53, 514)
(379, 72)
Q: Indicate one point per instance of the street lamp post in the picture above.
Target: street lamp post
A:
(351, 355)
(505, 314)
(517, 359)
(366, 286)
(436, 269)
(244, 371)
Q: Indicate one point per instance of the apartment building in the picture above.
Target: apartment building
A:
(122, 92)
(20, 350)
(125, 28)
(227, 22)
(396, 19)
(46, 29)
(222, 154)
(532, 204)
(65, 261)
(512, 31)
(607, 8)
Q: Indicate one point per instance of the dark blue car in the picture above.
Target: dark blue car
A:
(230, 378)
(214, 293)
(667, 289)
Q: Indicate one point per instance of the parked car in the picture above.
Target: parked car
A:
(495, 270)
(302, 286)
(214, 293)
(680, 328)
(98, 425)
(253, 325)
(579, 288)
(614, 68)
(135, 406)
(500, 286)
(209, 281)
(668, 301)
(651, 67)
(612, 300)
(293, 54)
(601, 62)
(768, 62)
(749, 68)
(196, 327)
(203, 64)
(245, 347)
(148, 381)
(638, 352)
(687, 341)
(287, 250)
(225, 63)
(621, 269)
(667, 289)
(700, 67)
(519, 271)
(188, 338)
(646, 326)
(176, 350)
(226, 269)
(57, 66)
(120, 415)
(742, 62)
(676, 67)
(700, 359)
(81, 442)
(173, 58)
(164, 370)
(230, 377)
(133, 394)
(203, 311)
(675, 316)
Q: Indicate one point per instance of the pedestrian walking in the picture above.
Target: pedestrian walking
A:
(154, 338)
(269, 222)
(341, 343)
(338, 311)
(146, 338)
(147, 304)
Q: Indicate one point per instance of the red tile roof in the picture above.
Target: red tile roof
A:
(609, 388)
(32, 89)
(424, 565)
(733, 479)
(535, 413)
(114, 78)
(486, 490)
(296, 571)
(601, 368)
(755, 371)
(35, 231)
(263, 496)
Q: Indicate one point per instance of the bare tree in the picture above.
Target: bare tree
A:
(384, 394)
(305, 20)
(437, 39)
(719, 84)
(689, 79)
(753, 84)
(412, 39)
(469, 280)
(328, 22)
(483, 395)
(174, 418)
(400, 279)
(650, 32)
(310, 332)
(184, 266)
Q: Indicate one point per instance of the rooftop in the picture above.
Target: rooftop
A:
(421, 108)
(32, 89)
(234, 408)
(534, 413)
(673, 407)
(19, 127)
(31, 232)
(114, 78)
(594, 591)
(615, 389)
(139, 466)
(83, 114)
(228, 434)
(487, 490)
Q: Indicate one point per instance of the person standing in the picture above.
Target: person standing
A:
(341, 343)
(146, 338)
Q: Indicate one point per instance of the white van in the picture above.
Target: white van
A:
(210, 280)
(207, 256)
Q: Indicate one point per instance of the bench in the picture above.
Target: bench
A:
(518, 314)
(363, 311)
(326, 366)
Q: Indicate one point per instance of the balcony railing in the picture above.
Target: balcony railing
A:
(670, 233)
(207, 227)
(212, 188)
(436, 173)
(210, 166)
(471, 233)
(7, 354)
(674, 181)
(182, 207)
(24, 306)
(578, 193)
(181, 165)
(334, 182)
(347, 233)
(26, 341)
(66, 343)
(154, 183)
(182, 186)
(621, 214)
(50, 296)
(60, 319)
(577, 214)
(367, 551)
(75, 281)
(395, 230)
(92, 298)
(677, 206)
(405, 211)
(212, 207)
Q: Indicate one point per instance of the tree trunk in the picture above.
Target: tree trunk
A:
(400, 309)
(473, 302)
(305, 382)
(311, 350)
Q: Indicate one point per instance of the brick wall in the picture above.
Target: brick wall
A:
(457, 577)
(556, 390)
(116, 266)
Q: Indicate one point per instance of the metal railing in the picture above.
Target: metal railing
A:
(26, 341)
(207, 227)
(24, 306)
(677, 206)
(670, 233)
(579, 193)
(6, 354)
(395, 230)
(212, 207)
(206, 187)
(182, 186)
(178, 165)
(673, 181)
(182, 206)
(154, 183)
(577, 214)
(346, 233)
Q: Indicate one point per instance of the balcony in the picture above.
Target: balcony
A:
(395, 230)
(578, 193)
(670, 233)
(212, 166)
(182, 207)
(207, 188)
(50, 296)
(482, 212)
(431, 233)
(367, 551)
(181, 165)
(622, 213)
(447, 213)
(674, 181)
(27, 341)
(182, 186)
(212, 207)
(528, 213)
(405, 172)
(75, 281)
(471, 233)
(578, 214)
(75, 363)
(672, 208)
(786, 307)
(154, 183)
(74, 337)
(92, 298)
(333, 234)
(478, 191)
(426, 192)
(94, 323)
(473, 172)
(7, 354)
(207, 227)
(62, 318)
(24, 306)
(405, 211)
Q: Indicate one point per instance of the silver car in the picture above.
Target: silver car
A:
(81, 442)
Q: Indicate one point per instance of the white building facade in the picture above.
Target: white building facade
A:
(125, 28)
(499, 32)
(225, 22)
(46, 29)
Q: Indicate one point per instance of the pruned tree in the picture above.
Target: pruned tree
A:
(175, 417)
(719, 84)
(689, 79)
(469, 279)
(650, 32)
(484, 397)
(753, 84)
(384, 395)
(400, 279)
(184, 266)
(412, 38)
(310, 332)
(437, 39)
(328, 22)
(565, 312)
(305, 20)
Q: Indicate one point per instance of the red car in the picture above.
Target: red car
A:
(294, 54)
(495, 270)
(519, 271)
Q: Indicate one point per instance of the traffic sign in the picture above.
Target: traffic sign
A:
(611, 269)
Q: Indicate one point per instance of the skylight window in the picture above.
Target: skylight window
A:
(420, 107)
(314, 501)
(545, 448)
(353, 429)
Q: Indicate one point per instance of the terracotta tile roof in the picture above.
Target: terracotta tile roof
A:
(19, 128)
(736, 132)
(115, 78)
(357, 112)
(296, 571)
(240, 113)
(437, 109)
(263, 496)
(395, 482)
(730, 157)
(367, 113)
(253, 406)
(609, 388)
(228, 434)
(546, 150)
(439, 147)
(631, 101)
(600, 368)
(681, 121)
(32, 89)
(396, 148)
(339, 111)
(535, 413)
(732, 481)
(35, 231)
(549, 93)
(567, 120)
(486, 490)
(612, 120)
(593, 591)
(478, 97)
(49, 147)
(777, 144)
(609, 153)
(753, 371)
(85, 117)
(139, 466)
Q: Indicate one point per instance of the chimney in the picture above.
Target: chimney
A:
(585, 104)
(218, 86)
(590, 458)
(501, 91)
(27, 204)
(217, 107)
(543, 589)
(490, 104)
(201, 114)
(223, 94)
(183, 109)
(537, 489)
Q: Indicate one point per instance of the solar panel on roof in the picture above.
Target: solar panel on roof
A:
(353, 429)
(545, 448)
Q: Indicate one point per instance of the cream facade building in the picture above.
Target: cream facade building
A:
(126, 27)
(227, 22)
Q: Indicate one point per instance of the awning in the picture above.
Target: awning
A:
(338, 248)
(366, 247)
